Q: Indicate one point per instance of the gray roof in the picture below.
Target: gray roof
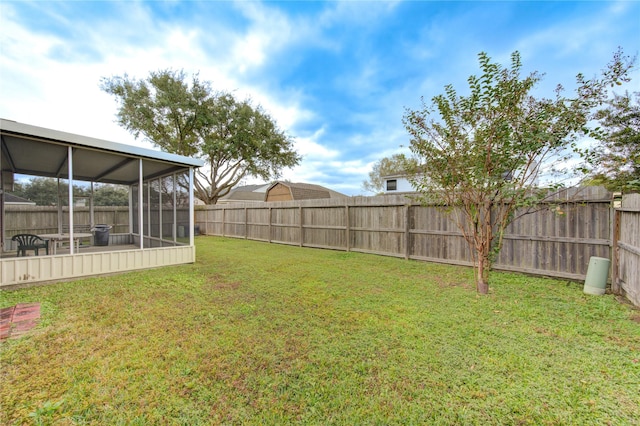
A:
(250, 188)
(246, 193)
(308, 191)
(14, 199)
(299, 191)
(38, 151)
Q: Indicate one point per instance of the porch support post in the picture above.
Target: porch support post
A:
(70, 167)
(175, 208)
(149, 212)
(140, 205)
(191, 208)
(160, 224)
(130, 209)
(91, 210)
(60, 210)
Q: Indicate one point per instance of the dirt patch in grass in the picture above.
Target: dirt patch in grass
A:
(227, 286)
(219, 282)
(447, 283)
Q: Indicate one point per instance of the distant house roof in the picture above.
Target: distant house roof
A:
(278, 191)
(293, 191)
(14, 199)
(246, 193)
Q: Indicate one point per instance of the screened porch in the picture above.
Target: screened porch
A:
(155, 229)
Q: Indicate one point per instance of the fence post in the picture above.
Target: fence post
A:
(270, 220)
(246, 224)
(224, 209)
(407, 226)
(301, 226)
(206, 220)
(347, 228)
(615, 252)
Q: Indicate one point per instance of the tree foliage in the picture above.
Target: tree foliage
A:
(46, 192)
(42, 191)
(482, 154)
(110, 195)
(234, 138)
(617, 160)
(387, 166)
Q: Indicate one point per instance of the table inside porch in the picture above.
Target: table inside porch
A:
(59, 238)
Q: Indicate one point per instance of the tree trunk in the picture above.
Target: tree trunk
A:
(482, 280)
(483, 247)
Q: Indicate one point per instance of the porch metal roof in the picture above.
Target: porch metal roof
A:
(39, 151)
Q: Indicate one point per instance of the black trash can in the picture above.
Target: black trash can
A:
(101, 235)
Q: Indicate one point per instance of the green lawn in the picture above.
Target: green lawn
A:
(269, 334)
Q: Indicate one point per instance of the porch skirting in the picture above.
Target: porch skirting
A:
(37, 269)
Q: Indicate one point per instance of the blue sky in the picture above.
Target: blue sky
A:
(336, 76)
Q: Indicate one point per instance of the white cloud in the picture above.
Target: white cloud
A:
(354, 14)
(270, 32)
(350, 167)
(584, 37)
(311, 150)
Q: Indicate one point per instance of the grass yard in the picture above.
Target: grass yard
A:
(270, 334)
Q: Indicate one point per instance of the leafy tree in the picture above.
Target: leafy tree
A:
(482, 154)
(387, 166)
(617, 160)
(44, 192)
(110, 195)
(234, 138)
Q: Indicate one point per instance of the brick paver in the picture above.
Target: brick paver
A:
(17, 320)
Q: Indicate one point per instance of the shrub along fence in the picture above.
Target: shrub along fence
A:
(557, 239)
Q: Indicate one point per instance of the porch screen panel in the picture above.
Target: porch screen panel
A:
(135, 226)
(154, 208)
(167, 208)
(62, 202)
(182, 207)
(145, 210)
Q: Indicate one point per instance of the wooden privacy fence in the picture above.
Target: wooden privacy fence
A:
(44, 219)
(556, 240)
(20, 219)
(625, 276)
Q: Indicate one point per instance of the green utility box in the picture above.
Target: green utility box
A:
(597, 274)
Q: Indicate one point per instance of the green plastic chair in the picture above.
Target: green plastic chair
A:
(30, 242)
